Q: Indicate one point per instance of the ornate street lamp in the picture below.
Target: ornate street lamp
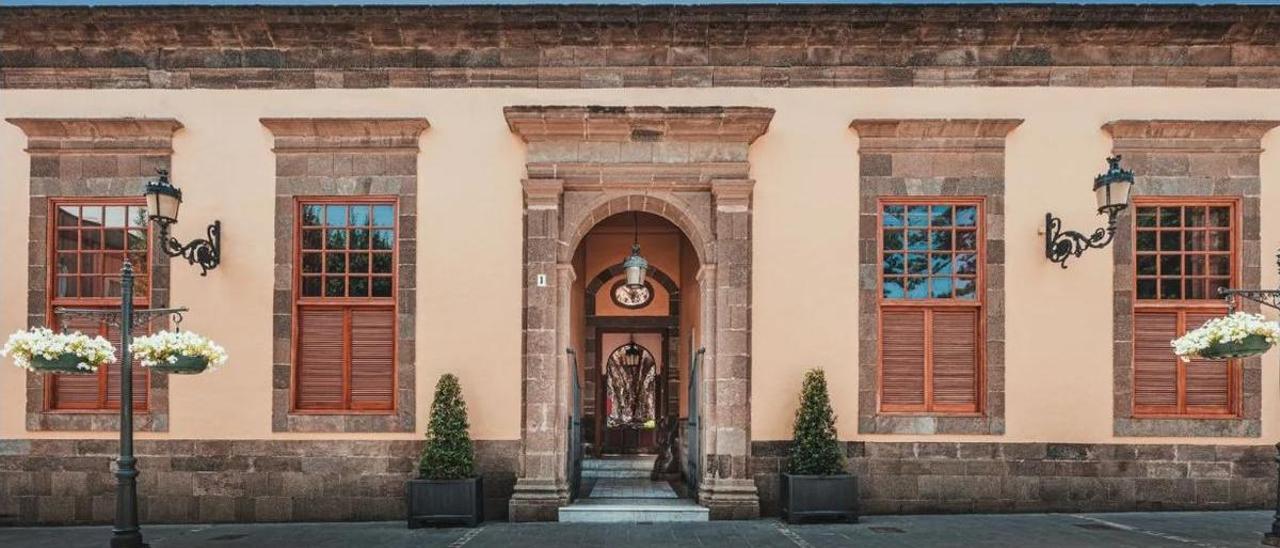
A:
(163, 201)
(1112, 191)
(635, 265)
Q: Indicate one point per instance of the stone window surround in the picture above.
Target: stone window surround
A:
(689, 166)
(942, 158)
(91, 158)
(1187, 158)
(334, 157)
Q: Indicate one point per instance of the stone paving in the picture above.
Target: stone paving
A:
(1168, 529)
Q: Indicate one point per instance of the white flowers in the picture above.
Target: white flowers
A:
(1228, 329)
(42, 343)
(168, 346)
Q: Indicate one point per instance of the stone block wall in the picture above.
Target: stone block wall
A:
(63, 482)
(936, 477)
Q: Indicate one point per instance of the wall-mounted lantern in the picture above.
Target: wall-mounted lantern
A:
(1112, 191)
(163, 201)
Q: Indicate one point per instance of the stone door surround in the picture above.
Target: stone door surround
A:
(689, 166)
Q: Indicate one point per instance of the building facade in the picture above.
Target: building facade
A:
(408, 192)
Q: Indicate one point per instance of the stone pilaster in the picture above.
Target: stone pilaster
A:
(542, 486)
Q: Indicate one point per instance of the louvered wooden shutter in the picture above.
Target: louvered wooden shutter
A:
(954, 341)
(321, 354)
(140, 379)
(372, 358)
(902, 355)
(78, 391)
(1208, 383)
(1155, 367)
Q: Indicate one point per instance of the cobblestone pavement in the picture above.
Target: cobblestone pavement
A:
(1170, 529)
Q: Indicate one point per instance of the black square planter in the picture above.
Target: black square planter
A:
(445, 502)
(818, 498)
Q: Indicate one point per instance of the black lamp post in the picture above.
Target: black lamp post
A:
(1112, 190)
(163, 201)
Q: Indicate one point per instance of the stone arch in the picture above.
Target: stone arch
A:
(580, 220)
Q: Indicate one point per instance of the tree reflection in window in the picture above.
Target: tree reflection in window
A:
(630, 383)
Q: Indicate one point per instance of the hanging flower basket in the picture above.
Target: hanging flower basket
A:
(178, 352)
(46, 351)
(1239, 335)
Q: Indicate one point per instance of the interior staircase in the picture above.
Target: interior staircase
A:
(618, 490)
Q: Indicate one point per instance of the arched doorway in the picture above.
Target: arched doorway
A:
(688, 167)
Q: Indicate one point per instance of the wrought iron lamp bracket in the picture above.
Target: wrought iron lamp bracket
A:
(206, 252)
(113, 317)
(1061, 245)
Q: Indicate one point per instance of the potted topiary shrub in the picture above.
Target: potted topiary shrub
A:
(815, 485)
(447, 490)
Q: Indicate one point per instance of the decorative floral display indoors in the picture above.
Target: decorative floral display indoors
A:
(179, 352)
(1239, 335)
(45, 350)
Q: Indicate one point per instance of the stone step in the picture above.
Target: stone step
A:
(618, 467)
(633, 511)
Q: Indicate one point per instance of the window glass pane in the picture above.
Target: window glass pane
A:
(68, 216)
(334, 286)
(141, 285)
(893, 288)
(311, 262)
(917, 240)
(1170, 265)
(114, 216)
(359, 215)
(966, 288)
(1220, 265)
(1220, 216)
(917, 263)
(1146, 288)
(940, 240)
(1220, 240)
(1193, 240)
(894, 263)
(1170, 240)
(137, 216)
(311, 286)
(893, 239)
(892, 216)
(91, 239)
(1146, 265)
(1146, 240)
(336, 215)
(138, 240)
(940, 263)
(358, 286)
(382, 263)
(382, 286)
(312, 239)
(312, 215)
(1194, 216)
(91, 216)
(113, 239)
(966, 216)
(917, 288)
(1170, 217)
(335, 263)
(1146, 216)
(918, 215)
(90, 286)
(966, 263)
(90, 263)
(966, 240)
(941, 216)
(358, 262)
(67, 239)
(111, 286)
(940, 288)
(1193, 265)
(360, 238)
(137, 259)
(66, 286)
(382, 239)
(336, 239)
(1194, 289)
(1218, 283)
(67, 263)
(1170, 288)
(383, 215)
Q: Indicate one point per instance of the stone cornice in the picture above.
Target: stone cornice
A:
(639, 124)
(1202, 136)
(339, 134)
(98, 135)
(542, 193)
(933, 135)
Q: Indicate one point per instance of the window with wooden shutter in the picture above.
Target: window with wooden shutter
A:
(931, 305)
(91, 239)
(1184, 250)
(345, 306)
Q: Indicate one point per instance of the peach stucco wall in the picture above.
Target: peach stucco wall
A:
(804, 285)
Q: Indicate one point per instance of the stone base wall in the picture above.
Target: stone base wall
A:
(926, 477)
(205, 481)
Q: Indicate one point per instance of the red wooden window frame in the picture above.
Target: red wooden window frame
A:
(107, 380)
(929, 311)
(348, 310)
(1153, 359)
